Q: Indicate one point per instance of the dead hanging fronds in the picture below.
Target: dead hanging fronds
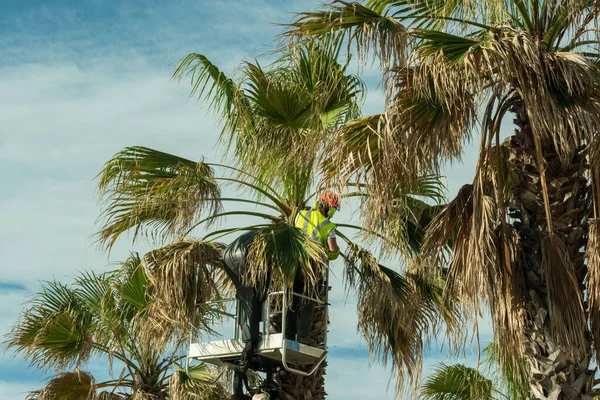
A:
(398, 313)
(358, 149)
(565, 305)
(287, 252)
(482, 256)
(593, 257)
(449, 229)
(507, 302)
(425, 126)
(183, 276)
(69, 385)
(559, 90)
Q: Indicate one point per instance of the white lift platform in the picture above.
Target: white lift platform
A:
(294, 357)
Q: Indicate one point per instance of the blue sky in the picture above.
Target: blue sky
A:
(81, 80)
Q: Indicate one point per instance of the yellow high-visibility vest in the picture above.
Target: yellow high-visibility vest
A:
(315, 225)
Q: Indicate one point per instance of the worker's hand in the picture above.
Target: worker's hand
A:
(333, 255)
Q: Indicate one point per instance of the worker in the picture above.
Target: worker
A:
(316, 223)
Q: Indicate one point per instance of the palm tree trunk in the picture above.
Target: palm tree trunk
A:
(296, 387)
(554, 374)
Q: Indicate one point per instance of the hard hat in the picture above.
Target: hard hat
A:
(331, 198)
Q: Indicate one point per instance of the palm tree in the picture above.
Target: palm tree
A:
(524, 235)
(277, 125)
(107, 316)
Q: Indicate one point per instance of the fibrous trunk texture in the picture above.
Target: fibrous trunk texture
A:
(556, 372)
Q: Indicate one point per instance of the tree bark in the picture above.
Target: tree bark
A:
(554, 373)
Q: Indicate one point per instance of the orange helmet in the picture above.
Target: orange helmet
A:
(332, 199)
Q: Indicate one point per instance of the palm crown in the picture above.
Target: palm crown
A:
(278, 125)
(519, 232)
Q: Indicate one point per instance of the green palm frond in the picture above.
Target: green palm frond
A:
(54, 332)
(133, 289)
(511, 370)
(457, 382)
(453, 47)
(287, 251)
(335, 93)
(183, 386)
(369, 29)
(210, 83)
(148, 188)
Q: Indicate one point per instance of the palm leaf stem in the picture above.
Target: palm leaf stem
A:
(224, 214)
(274, 199)
(360, 228)
(258, 203)
(266, 185)
(106, 350)
(462, 21)
(224, 232)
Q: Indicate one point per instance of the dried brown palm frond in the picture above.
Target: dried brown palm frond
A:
(450, 227)
(423, 129)
(565, 305)
(286, 251)
(373, 32)
(183, 276)
(507, 302)
(484, 265)
(358, 146)
(397, 313)
(69, 385)
(558, 90)
(593, 257)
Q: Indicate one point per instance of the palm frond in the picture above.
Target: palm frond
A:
(437, 14)
(457, 382)
(514, 375)
(76, 385)
(183, 386)
(146, 188)
(210, 83)
(357, 148)
(183, 275)
(287, 251)
(397, 313)
(593, 256)
(565, 305)
(368, 29)
(55, 331)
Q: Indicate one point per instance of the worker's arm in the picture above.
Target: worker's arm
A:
(334, 250)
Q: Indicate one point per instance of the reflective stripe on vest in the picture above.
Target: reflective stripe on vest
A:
(315, 225)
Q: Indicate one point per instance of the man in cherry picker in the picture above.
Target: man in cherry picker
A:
(314, 222)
